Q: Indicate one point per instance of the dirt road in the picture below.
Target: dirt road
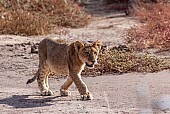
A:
(114, 94)
(133, 93)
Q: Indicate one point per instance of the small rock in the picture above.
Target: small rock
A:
(25, 57)
(34, 49)
(10, 45)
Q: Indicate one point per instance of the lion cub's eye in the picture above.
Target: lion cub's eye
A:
(95, 53)
(87, 53)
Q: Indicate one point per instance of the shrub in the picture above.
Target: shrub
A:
(116, 61)
(21, 22)
(155, 32)
(37, 17)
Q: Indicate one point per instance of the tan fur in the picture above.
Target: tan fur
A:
(64, 59)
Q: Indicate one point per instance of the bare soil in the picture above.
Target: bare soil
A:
(132, 93)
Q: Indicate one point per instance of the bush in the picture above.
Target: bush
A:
(155, 32)
(38, 17)
(121, 61)
(21, 22)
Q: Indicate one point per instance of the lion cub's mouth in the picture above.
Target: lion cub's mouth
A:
(89, 65)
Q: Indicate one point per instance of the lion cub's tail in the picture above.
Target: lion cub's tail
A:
(34, 78)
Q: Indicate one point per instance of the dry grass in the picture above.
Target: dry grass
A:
(115, 61)
(39, 17)
(155, 32)
(21, 22)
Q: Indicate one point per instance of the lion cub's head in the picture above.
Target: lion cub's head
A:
(88, 53)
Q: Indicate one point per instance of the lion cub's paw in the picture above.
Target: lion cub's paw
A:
(47, 93)
(65, 93)
(87, 96)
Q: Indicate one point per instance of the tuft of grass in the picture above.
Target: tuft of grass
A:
(39, 17)
(114, 61)
(155, 32)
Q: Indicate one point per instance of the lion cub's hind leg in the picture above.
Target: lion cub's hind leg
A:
(64, 88)
(43, 83)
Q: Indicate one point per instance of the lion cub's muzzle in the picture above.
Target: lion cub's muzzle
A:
(91, 64)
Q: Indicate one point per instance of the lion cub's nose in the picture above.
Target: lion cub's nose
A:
(93, 61)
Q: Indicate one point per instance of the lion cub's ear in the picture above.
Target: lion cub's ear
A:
(78, 45)
(97, 44)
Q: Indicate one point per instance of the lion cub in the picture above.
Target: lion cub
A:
(64, 59)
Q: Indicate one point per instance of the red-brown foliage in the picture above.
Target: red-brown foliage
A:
(38, 17)
(155, 32)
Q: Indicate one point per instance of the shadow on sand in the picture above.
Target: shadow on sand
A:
(23, 101)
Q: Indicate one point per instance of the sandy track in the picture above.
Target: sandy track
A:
(122, 94)
(114, 94)
(132, 93)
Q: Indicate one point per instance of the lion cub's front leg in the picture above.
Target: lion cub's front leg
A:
(81, 86)
(87, 96)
